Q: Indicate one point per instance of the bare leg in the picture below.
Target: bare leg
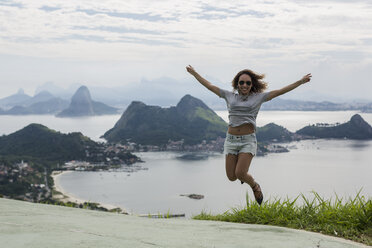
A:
(242, 167)
(241, 172)
(237, 167)
(230, 162)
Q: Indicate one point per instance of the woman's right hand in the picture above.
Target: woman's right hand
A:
(191, 70)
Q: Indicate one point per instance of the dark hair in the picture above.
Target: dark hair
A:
(258, 85)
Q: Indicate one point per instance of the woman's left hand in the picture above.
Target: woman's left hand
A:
(306, 78)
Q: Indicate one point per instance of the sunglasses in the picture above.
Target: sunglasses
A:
(245, 82)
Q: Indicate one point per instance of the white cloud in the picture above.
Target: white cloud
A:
(161, 35)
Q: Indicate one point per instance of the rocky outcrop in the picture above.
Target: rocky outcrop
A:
(82, 105)
(194, 196)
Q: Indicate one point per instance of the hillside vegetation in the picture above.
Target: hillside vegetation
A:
(356, 128)
(42, 143)
(191, 120)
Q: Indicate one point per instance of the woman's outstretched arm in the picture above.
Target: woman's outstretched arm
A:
(275, 93)
(203, 81)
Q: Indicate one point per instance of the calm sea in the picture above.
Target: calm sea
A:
(328, 167)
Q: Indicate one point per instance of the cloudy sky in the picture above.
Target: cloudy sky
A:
(119, 43)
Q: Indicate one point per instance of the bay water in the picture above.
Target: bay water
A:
(326, 166)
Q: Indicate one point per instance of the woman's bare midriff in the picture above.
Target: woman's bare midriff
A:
(244, 129)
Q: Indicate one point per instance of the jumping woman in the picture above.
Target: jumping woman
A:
(243, 104)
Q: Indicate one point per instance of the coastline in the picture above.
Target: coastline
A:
(65, 197)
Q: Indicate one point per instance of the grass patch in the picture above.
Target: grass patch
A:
(347, 218)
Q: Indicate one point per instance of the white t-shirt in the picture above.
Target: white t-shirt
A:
(243, 109)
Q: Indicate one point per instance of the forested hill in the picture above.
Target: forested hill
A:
(274, 133)
(191, 120)
(39, 142)
(356, 128)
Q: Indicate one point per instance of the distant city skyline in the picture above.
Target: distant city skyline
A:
(122, 44)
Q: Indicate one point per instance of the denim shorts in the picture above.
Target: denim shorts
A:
(235, 144)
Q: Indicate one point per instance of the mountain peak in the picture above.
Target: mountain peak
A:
(136, 104)
(82, 95)
(357, 119)
(358, 122)
(20, 92)
(189, 102)
(82, 105)
(35, 126)
(33, 131)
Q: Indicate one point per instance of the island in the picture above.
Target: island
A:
(357, 128)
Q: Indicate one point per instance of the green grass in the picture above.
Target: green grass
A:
(347, 218)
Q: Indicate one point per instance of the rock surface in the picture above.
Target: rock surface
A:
(194, 196)
(31, 225)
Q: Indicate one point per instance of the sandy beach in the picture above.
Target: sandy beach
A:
(68, 197)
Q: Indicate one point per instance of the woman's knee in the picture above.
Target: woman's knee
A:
(231, 160)
(231, 177)
(240, 174)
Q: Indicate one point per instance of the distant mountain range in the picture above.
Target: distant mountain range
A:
(14, 100)
(191, 120)
(41, 103)
(50, 106)
(45, 103)
(297, 105)
(157, 94)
